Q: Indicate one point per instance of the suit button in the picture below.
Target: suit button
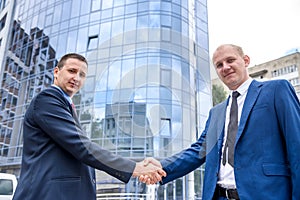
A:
(94, 181)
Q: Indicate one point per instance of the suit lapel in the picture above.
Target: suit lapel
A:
(215, 132)
(216, 129)
(253, 92)
(221, 123)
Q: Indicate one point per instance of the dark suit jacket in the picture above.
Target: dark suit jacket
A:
(267, 149)
(58, 158)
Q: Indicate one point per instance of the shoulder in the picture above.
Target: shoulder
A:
(271, 85)
(51, 91)
(277, 82)
(219, 108)
(51, 95)
(220, 105)
(280, 88)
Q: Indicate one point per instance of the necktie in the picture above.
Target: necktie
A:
(232, 130)
(73, 106)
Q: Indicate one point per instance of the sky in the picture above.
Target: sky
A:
(265, 29)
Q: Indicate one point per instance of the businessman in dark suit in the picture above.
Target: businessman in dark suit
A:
(264, 162)
(58, 158)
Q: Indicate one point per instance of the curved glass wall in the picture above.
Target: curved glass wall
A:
(148, 87)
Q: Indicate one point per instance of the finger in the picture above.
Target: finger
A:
(143, 178)
(146, 161)
(148, 180)
(156, 177)
(161, 172)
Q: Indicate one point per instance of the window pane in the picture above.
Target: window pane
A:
(104, 32)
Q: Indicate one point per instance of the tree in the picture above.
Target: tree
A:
(219, 94)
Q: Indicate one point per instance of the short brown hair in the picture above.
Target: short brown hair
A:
(63, 59)
(238, 49)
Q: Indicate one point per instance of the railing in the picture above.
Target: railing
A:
(129, 196)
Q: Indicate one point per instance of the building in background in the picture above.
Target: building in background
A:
(147, 91)
(286, 67)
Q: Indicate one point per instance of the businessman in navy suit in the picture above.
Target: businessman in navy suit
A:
(266, 148)
(58, 158)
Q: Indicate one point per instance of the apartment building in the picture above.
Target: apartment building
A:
(286, 67)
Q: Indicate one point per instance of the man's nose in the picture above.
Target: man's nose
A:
(226, 66)
(77, 76)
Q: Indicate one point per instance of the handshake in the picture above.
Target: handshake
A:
(149, 171)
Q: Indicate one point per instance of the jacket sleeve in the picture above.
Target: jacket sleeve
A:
(54, 117)
(288, 114)
(187, 160)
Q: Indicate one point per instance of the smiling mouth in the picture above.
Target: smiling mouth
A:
(73, 85)
(228, 75)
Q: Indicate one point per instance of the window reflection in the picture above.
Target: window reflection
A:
(48, 20)
(114, 75)
(72, 40)
(57, 14)
(85, 7)
(96, 4)
(165, 20)
(130, 8)
(127, 73)
(154, 20)
(107, 4)
(142, 7)
(142, 21)
(104, 32)
(117, 27)
(154, 6)
(106, 14)
(82, 39)
(166, 6)
(118, 11)
(130, 24)
(119, 3)
(66, 11)
(92, 42)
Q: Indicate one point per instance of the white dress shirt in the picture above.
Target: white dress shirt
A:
(226, 174)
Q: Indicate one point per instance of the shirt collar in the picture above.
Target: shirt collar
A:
(65, 94)
(243, 88)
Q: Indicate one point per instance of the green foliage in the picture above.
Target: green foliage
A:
(219, 94)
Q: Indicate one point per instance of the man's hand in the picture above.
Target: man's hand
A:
(152, 178)
(148, 172)
(153, 161)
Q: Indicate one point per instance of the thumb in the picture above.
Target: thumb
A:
(151, 160)
(146, 162)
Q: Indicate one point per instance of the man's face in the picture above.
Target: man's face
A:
(231, 67)
(71, 77)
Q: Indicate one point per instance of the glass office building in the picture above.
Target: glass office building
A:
(147, 91)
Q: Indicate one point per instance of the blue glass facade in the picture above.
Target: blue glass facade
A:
(148, 87)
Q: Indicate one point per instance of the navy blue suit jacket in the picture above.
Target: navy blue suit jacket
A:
(267, 148)
(58, 158)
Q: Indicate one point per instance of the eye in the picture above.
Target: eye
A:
(72, 71)
(219, 65)
(231, 60)
(83, 75)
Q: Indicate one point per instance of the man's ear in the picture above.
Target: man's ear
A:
(55, 71)
(246, 60)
